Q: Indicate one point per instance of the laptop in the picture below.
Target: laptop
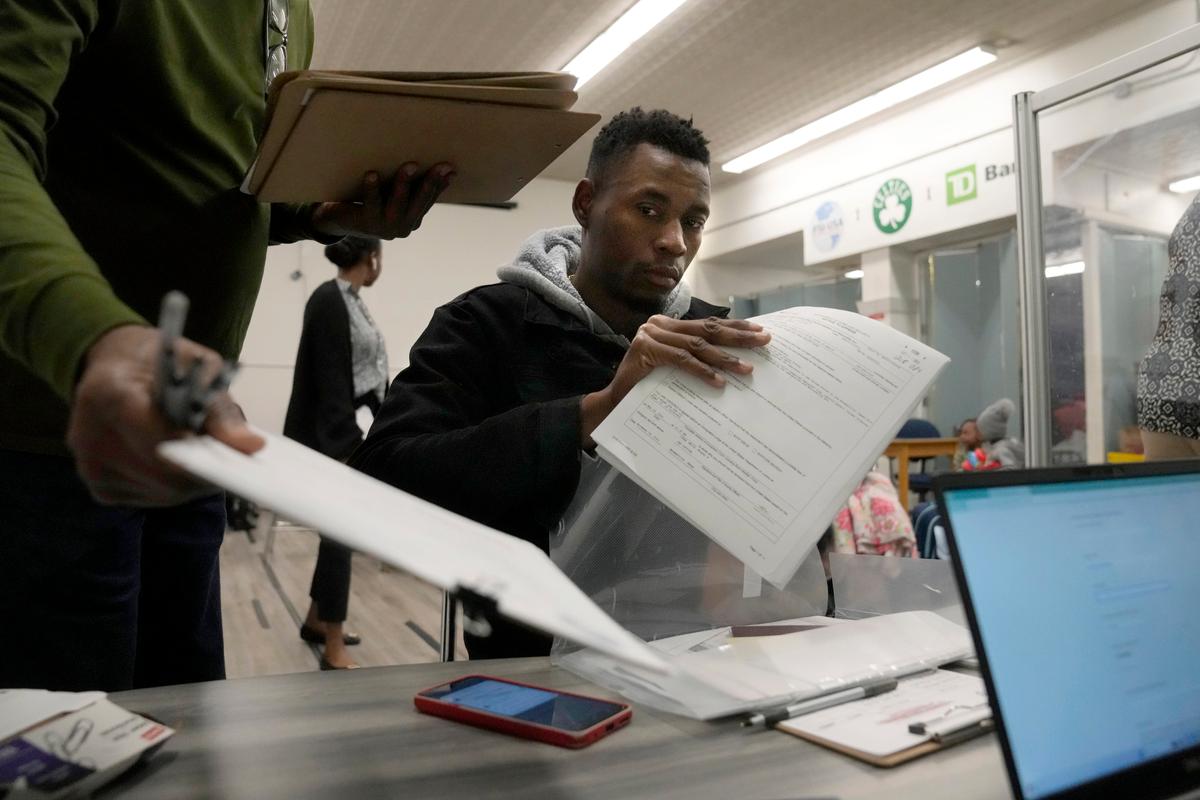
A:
(1082, 588)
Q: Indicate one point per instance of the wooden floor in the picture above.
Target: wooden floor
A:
(265, 596)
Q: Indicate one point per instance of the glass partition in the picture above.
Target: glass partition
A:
(1111, 149)
(969, 312)
(841, 293)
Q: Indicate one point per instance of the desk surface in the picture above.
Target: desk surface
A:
(355, 734)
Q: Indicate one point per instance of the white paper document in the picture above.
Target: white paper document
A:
(437, 546)
(762, 465)
(717, 674)
(878, 725)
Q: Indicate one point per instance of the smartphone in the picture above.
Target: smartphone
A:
(519, 709)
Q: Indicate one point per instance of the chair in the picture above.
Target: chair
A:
(920, 482)
(925, 517)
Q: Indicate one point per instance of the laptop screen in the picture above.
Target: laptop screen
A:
(1086, 595)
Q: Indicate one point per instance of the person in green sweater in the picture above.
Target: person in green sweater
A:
(126, 127)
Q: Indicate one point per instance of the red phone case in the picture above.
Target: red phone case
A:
(516, 727)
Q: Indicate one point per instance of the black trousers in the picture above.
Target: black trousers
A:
(331, 581)
(330, 588)
(104, 597)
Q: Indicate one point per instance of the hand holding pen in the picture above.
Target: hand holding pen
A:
(119, 415)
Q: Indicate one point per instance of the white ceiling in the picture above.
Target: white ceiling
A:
(1159, 152)
(745, 70)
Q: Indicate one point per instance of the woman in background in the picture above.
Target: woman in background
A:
(341, 367)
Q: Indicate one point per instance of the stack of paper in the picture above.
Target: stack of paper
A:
(716, 675)
(326, 130)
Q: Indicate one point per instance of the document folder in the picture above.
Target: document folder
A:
(326, 130)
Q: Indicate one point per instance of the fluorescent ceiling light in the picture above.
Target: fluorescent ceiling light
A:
(1185, 185)
(633, 25)
(854, 274)
(1073, 268)
(897, 93)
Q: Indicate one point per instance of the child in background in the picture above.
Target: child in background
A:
(998, 450)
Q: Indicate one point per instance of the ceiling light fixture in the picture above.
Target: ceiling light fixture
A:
(631, 26)
(1185, 185)
(854, 274)
(857, 111)
(1073, 268)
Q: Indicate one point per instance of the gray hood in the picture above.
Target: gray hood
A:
(544, 264)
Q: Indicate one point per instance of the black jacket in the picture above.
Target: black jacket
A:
(485, 420)
(320, 412)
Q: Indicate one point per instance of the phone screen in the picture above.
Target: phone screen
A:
(541, 706)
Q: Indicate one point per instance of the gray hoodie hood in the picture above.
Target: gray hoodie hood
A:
(544, 265)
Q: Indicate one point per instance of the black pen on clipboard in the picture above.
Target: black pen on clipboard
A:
(183, 396)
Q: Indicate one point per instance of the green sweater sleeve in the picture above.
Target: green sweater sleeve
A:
(54, 303)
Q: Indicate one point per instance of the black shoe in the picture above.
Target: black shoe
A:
(316, 637)
(326, 666)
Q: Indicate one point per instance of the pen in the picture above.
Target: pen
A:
(184, 398)
(773, 718)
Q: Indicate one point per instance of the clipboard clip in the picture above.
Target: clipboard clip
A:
(957, 724)
(477, 609)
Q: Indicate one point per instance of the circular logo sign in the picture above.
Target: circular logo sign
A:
(827, 226)
(892, 206)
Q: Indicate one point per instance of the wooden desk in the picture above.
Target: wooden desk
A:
(904, 449)
(355, 734)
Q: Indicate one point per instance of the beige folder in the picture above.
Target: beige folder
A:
(327, 129)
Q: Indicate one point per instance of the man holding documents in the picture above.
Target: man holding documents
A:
(125, 131)
(508, 381)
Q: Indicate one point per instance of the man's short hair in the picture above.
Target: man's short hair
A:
(660, 128)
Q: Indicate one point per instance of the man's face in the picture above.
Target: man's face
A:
(642, 224)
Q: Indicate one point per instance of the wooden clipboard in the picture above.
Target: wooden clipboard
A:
(326, 130)
(892, 759)
(877, 729)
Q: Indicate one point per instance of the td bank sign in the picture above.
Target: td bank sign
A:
(963, 184)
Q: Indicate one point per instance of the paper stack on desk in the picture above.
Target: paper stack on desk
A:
(716, 675)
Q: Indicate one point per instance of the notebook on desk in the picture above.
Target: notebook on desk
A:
(1082, 586)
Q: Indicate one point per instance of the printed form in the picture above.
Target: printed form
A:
(762, 465)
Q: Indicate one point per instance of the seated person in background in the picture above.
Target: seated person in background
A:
(508, 381)
(873, 521)
(998, 450)
(968, 440)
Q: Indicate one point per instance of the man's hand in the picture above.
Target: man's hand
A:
(694, 345)
(115, 424)
(386, 211)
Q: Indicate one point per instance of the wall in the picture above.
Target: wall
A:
(456, 248)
